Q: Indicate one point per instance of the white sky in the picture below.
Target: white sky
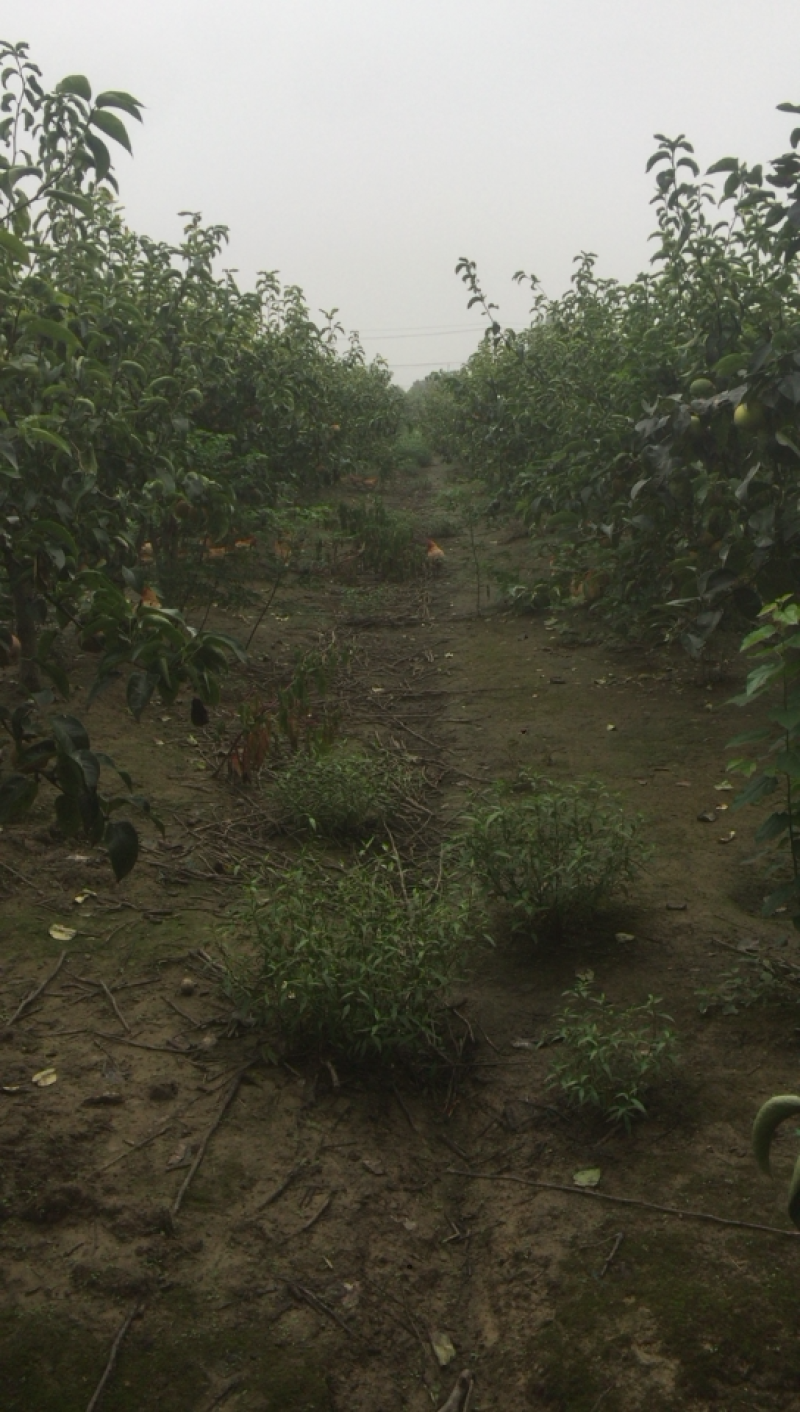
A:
(361, 146)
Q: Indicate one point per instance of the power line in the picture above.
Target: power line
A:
(445, 366)
(414, 328)
(442, 333)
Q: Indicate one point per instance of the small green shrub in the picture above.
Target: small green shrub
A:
(355, 962)
(388, 544)
(342, 794)
(554, 851)
(753, 981)
(610, 1057)
(411, 451)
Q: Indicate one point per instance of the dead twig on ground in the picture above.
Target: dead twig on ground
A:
(142, 1044)
(201, 1151)
(321, 1212)
(144, 1142)
(688, 1215)
(408, 1116)
(282, 1186)
(21, 877)
(198, 1024)
(112, 1357)
(101, 985)
(230, 1386)
(307, 1296)
(409, 731)
(607, 1263)
(34, 995)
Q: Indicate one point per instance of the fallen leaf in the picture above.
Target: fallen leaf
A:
(11, 1088)
(61, 933)
(624, 936)
(677, 906)
(443, 1347)
(352, 1295)
(588, 1176)
(709, 817)
(374, 1166)
(78, 858)
(82, 896)
(611, 728)
(728, 837)
(725, 785)
(182, 1156)
(523, 1044)
(44, 1078)
(683, 784)
(558, 681)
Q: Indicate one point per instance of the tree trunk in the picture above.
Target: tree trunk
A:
(21, 583)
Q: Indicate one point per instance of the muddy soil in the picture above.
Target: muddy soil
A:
(276, 1236)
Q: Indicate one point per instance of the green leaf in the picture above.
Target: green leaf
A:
(70, 733)
(773, 827)
(112, 126)
(51, 328)
(138, 692)
(101, 157)
(122, 843)
(57, 676)
(17, 793)
(758, 788)
(768, 1118)
(15, 247)
(74, 198)
(76, 84)
(49, 437)
(725, 164)
(117, 98)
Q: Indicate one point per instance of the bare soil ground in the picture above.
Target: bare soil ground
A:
(329, 1232)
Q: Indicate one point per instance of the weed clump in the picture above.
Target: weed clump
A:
(411, 451)
(356, 963)
(342, 795)
(610, 1057)
(388, 545)
(553, 851)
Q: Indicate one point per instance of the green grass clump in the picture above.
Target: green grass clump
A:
(610, 1057)
(342, 794)
(553, 852)
(411, 451)
(387, 543)
(355, 963)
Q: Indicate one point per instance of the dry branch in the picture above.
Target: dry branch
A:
(201, 1151)
(112, 1357)
(34, 995)
(594, 1195)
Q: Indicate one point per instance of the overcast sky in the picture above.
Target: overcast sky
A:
(361, 146)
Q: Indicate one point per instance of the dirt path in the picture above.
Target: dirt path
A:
(328, 1233)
